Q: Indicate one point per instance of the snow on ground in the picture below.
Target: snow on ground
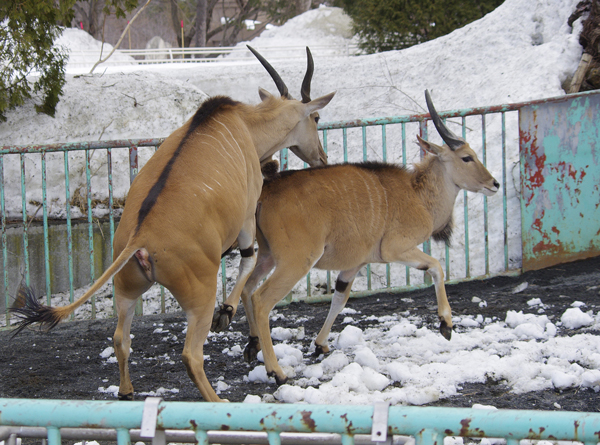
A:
(523, 50)
(410, 364)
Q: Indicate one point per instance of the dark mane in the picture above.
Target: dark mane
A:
(373, 166)
(207, 109)
(377, 166)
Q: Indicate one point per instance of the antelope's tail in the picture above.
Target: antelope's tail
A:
(30, 311)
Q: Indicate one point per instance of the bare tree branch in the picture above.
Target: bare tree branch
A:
(121, 38)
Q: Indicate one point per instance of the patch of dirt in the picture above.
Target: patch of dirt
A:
(65, 362)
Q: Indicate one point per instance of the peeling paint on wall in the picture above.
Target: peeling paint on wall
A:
(560, 178)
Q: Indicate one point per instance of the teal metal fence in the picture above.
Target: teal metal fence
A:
(428, 425)
(60, 205)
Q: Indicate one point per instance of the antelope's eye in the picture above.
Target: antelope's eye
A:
(317, 119)
(467, 159)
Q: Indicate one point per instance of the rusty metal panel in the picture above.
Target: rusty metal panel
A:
(560, 179)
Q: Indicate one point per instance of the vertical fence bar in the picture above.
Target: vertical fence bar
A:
(388, 273)
(223, 278)
(133, 171)
(328, 272)
(201, 437)
(162, 288)
(274, 437)
(364, 146)
(69, 231)
(111, 215)
(364, 142)
(504, 198)
(88, 176)
(284, 160)
(427, 244)
(447, 251)
(466, 207)
(4, 240)
(45, 223)
(123, 437)
(406, 268)
(53, 435)
(486, 243)
(25, 224)
(347, 439)
(345, 142)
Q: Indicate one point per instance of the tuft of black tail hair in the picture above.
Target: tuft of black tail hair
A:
(270, 169)
(27, 307)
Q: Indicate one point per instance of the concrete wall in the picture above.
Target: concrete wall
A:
(59, 265)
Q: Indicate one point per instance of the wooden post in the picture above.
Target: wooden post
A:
(579, 75)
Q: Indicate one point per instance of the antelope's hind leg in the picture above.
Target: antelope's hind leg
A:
(197, 298)
(130, 284)
(264, 265)
(199, 321)
(275, 288)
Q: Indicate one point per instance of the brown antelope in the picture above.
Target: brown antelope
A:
(188, 204)
(341, 217)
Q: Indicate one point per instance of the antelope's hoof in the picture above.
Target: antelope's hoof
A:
(222, 318)
(278, 380)
(320, 350)
(251, 349)
(445, 330)
(128, 396)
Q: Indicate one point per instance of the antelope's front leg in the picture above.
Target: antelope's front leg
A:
(338, 301)
(417, 259)
(225, 313)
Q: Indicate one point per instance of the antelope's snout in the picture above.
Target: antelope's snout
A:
(316, 158)
(491, 189)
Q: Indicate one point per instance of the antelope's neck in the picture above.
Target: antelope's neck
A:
(438, 193)
(270, 127)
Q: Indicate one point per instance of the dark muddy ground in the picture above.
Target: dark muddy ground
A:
(65, 363)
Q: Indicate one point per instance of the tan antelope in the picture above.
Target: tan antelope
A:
(341, 217)
(188, 204)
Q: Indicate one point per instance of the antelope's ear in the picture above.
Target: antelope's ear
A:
(264, 94)
(429, 147)
(318, 103)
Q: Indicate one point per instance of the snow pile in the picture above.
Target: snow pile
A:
(329, 30)
(85, 51)
(406, 363)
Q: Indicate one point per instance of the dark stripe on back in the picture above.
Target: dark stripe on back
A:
(207, 109)
(372, 166)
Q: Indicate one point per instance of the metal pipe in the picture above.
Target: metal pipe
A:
(299, 418)
(180, 436)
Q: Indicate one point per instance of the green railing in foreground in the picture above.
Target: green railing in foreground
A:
(428, 425)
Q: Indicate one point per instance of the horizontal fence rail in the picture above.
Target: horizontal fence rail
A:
(208, 54)
(427, 425)
(60, 204)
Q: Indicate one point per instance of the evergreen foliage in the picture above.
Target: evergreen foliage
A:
(31, 66)
(384, 25)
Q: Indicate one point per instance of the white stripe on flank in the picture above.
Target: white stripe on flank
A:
(232, 137)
